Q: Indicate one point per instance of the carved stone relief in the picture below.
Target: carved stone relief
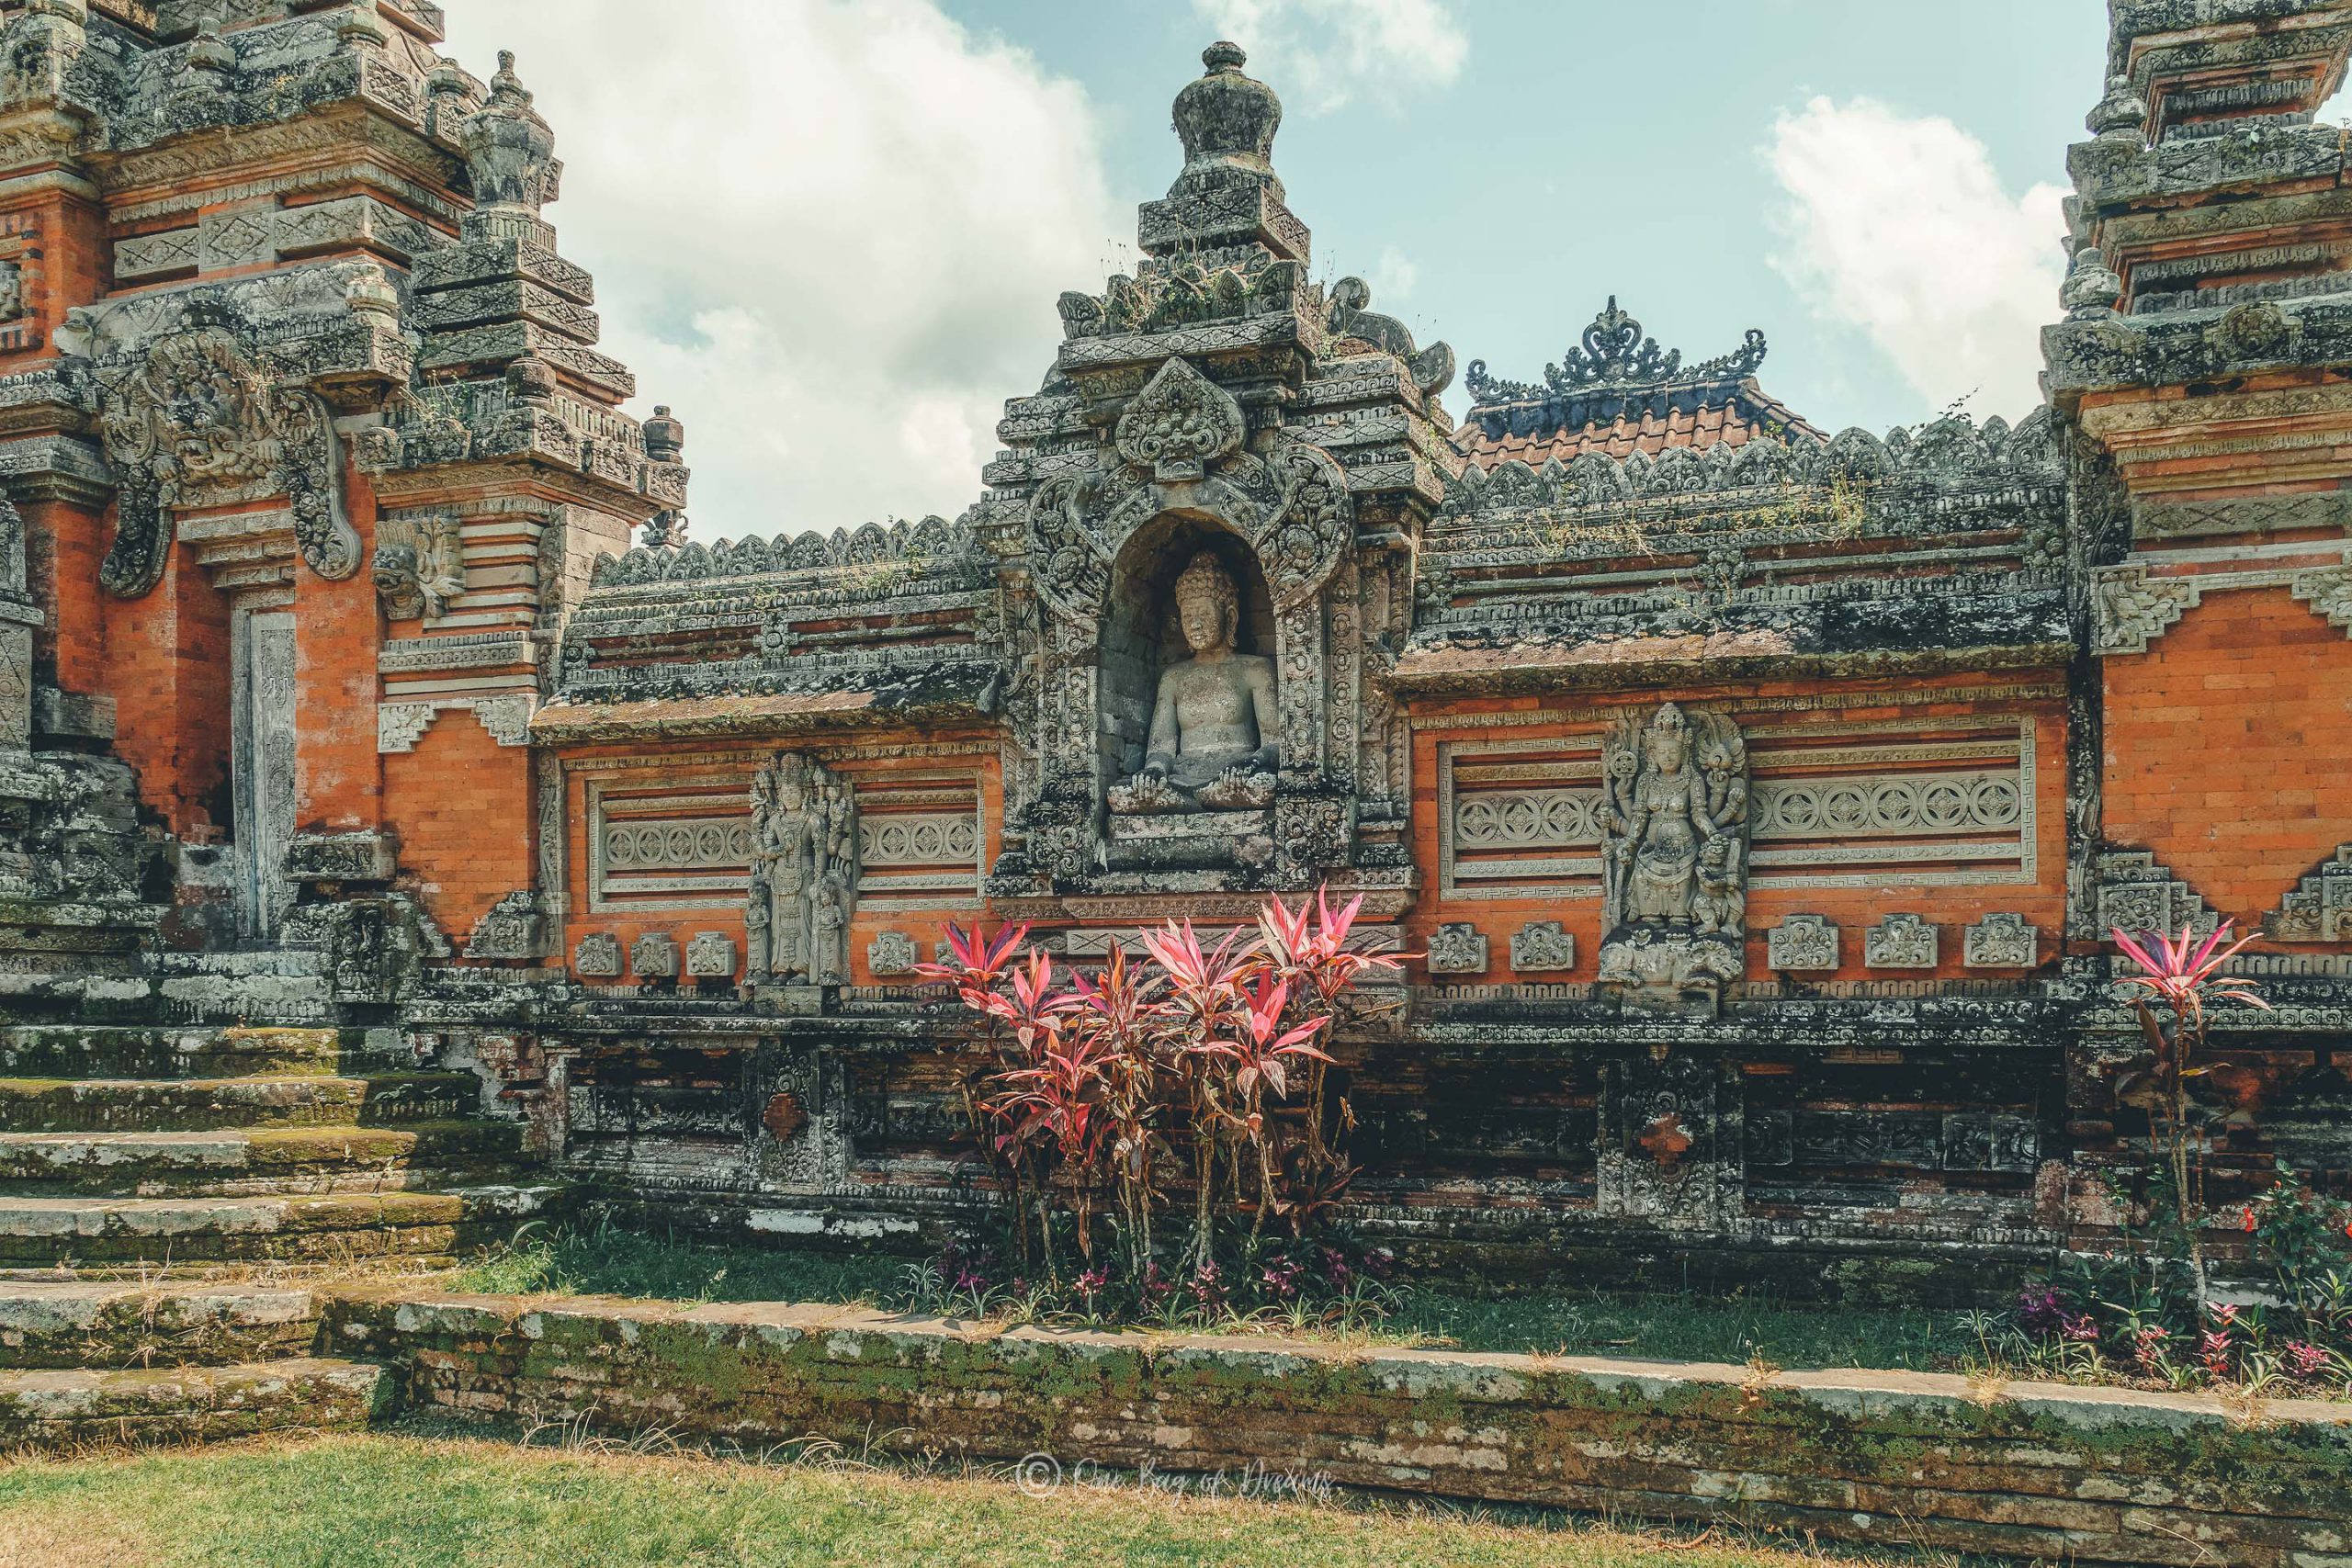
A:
(2320, 906)
(2001, 941)
(191, 422)
(1457, 948)
(804, 873)
(511, 929)
(2129, 609)
(1542, 947)
(654, 956)
(1901, 942)
(1803, 942)
(890, 953)
(12, 291)
(2136, 896)
(597, 956)
(1674, 849)
(419, 566)
(710, 955)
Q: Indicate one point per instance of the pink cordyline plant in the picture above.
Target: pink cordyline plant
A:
(2179, 979)
(1088, 1081)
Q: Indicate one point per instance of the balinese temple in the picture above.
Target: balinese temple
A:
(1754, 800)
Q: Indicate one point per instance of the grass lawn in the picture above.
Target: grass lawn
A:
(424, 1498)
(1668, 1327)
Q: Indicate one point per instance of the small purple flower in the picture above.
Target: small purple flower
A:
(2082, 1328)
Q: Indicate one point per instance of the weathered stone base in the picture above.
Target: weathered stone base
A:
(56, 1410)
(2036, 1470)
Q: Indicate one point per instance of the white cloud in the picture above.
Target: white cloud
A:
(1319, 53)
(1899, 225)
(1393, 277)
(828, 232)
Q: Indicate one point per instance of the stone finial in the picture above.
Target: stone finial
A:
(210, 52)
(371, 293)
(360, 24)
(2122, 115)
(2092, 289)
(1226, 120)
(665, 435)
(509, 149)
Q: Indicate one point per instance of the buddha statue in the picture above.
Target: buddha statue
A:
(1213, 720)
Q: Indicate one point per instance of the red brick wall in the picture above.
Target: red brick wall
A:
(2226, 748)
(1948, 906)
(166, 660)
(461, 804)
(338, 780)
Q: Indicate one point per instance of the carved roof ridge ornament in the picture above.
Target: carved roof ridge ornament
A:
(190, 420)
(1179, 423)
(1616, 352)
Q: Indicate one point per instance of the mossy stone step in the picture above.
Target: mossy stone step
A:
(233, 1161)
(328, 1227)
(189, 1105)
(79, 1323)
(53, 1410)
(95, 1050)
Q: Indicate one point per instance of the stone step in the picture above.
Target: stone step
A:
(60, 1410)
(337, 1227)
(190, 1105)
(87, 1051)
(235, 1161)
(83, 1323)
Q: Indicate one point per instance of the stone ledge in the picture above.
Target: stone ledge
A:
(2085, 1475)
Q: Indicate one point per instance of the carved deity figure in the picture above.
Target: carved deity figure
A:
(1213, 722)
(804, 873)
(1674, 848)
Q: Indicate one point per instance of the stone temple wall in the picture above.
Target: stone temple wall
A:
(1755, 797)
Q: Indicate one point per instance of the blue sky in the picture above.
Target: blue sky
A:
(1590, 147)
(830, 233)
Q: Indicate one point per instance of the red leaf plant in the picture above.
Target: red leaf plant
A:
(2179, 977)
(1101, 1087)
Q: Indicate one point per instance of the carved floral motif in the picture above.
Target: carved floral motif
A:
(1541, 946)
(1803, 942)
(1457, 949)
(2001, 941)
(1900, 941)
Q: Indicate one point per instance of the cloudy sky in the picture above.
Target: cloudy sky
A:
(831, 232)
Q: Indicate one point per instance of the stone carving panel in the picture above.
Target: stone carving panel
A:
(1674, 849)
(2001, 941)
(2320, 906)
(804, 875)
(597, 956)
(1457, 949)
(710, 955)
(1901, 942)
(890, 953)
(1803, 942)
(191, 422)
(2130, 608)
(2136, 896)
(419, 566)
(1542, 947)
(654, 956)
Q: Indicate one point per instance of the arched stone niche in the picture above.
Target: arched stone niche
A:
(1140, 637)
